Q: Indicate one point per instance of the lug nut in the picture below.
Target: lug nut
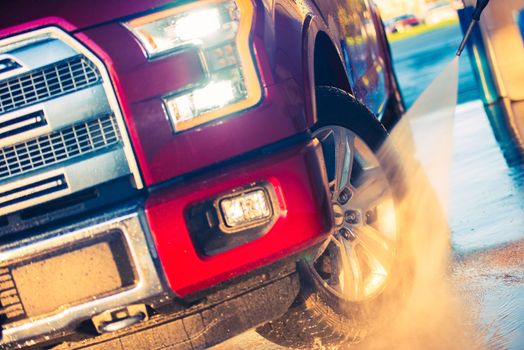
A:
(371, 216)
(351, 217)
(345, 196)
(347, 234)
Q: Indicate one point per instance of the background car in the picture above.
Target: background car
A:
(439, 12)
(404, 22)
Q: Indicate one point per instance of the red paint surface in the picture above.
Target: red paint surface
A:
(306, 220)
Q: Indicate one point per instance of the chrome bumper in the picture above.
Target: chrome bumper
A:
(146, 285)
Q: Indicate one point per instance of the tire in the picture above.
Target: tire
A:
(330, 309)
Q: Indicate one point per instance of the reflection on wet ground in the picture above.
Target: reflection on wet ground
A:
(487, 220)
(481, 175)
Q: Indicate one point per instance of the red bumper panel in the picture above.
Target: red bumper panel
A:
(297, 175)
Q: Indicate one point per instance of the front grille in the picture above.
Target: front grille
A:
(62, 133)
(47, 82)
(58, 146)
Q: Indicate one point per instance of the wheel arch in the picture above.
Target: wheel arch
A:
(323, 63)
(328, 67)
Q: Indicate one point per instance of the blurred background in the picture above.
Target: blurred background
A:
(424, 36)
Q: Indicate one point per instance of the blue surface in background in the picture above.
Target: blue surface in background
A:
(419, 59)
(520, 22)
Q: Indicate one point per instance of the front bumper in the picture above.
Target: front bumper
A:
(217, 315)
(303, 222)
(37, 316)
(298, 176)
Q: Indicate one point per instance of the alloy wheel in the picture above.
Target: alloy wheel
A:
(356, 261)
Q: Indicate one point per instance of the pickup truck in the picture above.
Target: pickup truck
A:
(173, 173)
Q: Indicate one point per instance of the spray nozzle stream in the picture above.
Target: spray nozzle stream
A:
(481, 5)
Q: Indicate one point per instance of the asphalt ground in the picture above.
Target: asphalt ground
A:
(486, 212)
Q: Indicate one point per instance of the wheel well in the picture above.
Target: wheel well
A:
(329, 69)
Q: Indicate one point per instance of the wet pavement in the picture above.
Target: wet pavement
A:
(486, 216)
(487, 221)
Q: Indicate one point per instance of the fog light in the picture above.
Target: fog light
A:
(234, 218)
(246, 209)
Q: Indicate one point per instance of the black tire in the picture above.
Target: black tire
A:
(318, 317)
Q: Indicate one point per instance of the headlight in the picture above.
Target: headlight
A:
(220, 30)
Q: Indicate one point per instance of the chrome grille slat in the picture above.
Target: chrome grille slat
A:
(47, 82)
(58, 146)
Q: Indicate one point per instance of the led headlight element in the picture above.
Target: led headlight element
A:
(220, 31)
(213, 96)
(246, 208)
(160, 35)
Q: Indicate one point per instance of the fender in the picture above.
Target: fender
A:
(289, 57)
(313, 26)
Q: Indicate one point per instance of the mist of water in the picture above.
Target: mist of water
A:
(430, 315)
(428, 312)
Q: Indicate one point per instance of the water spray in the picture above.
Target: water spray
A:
(479, 8)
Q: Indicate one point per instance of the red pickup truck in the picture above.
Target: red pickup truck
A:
(173, 173)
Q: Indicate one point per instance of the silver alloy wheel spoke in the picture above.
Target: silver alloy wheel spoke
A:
(362, 249)
(374, 245)
(356, 275)
(370, 190)
(344, 159)
(342, 253)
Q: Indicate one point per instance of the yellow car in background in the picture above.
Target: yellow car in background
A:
(497, 55)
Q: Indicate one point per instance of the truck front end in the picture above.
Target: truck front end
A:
(155, 171)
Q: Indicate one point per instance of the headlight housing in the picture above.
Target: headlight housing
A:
(220, 30)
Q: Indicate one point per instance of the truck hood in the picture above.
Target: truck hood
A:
(80, 14)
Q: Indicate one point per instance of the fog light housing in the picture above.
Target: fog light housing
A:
(234, 218)
(245, 209)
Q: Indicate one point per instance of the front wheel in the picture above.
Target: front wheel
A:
(347, 286)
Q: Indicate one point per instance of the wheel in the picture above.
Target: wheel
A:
(347, 287)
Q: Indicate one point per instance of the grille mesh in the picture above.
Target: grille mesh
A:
(48, 82)
(58, 146)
